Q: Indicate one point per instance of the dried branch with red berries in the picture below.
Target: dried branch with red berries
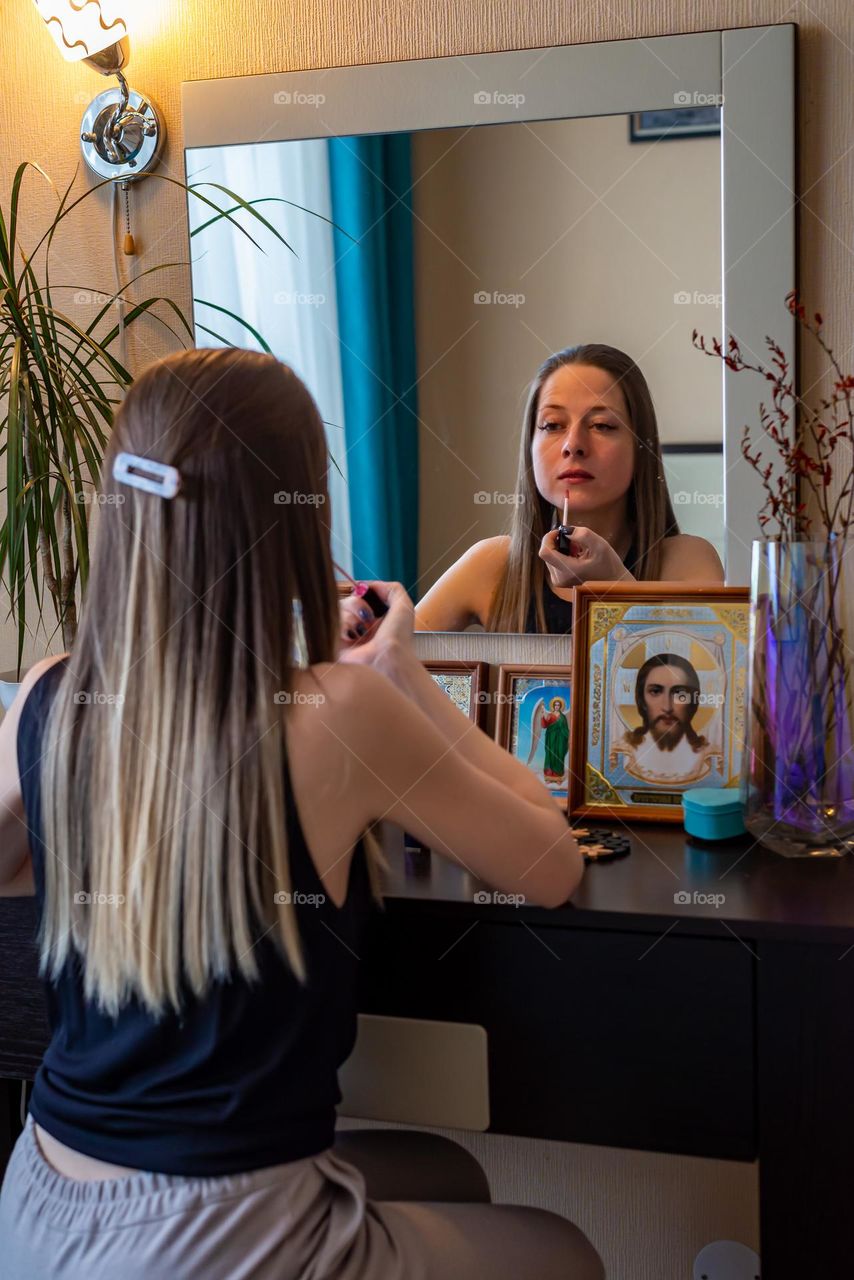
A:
(806, 439)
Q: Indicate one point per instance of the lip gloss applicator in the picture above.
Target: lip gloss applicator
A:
(366, 593)
(564, 529)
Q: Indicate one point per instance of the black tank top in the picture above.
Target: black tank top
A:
(242, 1079)
(558, 611)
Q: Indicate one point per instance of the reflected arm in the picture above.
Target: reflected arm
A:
(462, 594)
(691, 559)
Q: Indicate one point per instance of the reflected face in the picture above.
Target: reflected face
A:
(669, 704)
(583, 441)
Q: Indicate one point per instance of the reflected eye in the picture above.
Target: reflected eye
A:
(603, 426)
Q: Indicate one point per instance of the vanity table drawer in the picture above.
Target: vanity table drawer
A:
(600, 1037)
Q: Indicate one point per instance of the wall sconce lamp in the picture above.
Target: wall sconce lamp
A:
(123, 132)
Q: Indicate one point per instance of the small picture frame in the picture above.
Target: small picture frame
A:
(687, 121)
(532, 722)
(660, 683)
(464, 682)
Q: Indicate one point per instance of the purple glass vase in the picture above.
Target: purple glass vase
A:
(797, 784)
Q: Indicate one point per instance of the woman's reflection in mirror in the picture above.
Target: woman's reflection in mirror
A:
(589, 431)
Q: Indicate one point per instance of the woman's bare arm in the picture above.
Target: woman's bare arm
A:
(493, 816)
(14, 841)
(22, 885)
(462, 595)
(687, 558)
(415, 682)
(391, 653)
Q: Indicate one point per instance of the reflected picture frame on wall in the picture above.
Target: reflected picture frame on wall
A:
(532, 721)
(686, 121)
(659, 696)
(464, 682)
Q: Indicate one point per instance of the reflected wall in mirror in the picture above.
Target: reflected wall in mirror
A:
(429, 276)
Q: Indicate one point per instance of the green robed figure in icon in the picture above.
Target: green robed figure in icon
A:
(556, 726)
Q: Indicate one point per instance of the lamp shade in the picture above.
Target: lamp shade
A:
(82, 28)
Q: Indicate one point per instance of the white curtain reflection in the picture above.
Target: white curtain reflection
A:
(288, 297)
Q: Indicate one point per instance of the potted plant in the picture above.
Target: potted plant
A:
(798, 771)
(60, 383)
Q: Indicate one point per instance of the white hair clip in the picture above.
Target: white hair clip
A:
(166, 480)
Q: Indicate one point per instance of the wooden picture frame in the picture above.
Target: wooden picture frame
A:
(464, 682)
(625, 760)
(521, 723)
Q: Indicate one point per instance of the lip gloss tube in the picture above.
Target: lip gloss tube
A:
(366, 593)
(371, 598)
(564, 530)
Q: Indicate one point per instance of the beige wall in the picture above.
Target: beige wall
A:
(40, 109)
(493, 212)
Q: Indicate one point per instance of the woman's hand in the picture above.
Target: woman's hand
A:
(591, 558)
(379, 642)
(357, 618)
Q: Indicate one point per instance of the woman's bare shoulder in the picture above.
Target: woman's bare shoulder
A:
(485, 552)
(336, 685)
(463, 592)
(689, 558)
(337, 698)
(332, 707)
(496, 548)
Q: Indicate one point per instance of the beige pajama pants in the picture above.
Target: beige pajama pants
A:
(380, 1205)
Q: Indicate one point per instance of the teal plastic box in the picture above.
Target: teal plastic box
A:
(713, 813)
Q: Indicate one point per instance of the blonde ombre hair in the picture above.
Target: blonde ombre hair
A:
(649, 509)
(164, 748)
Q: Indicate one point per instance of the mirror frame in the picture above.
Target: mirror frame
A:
(750, 70)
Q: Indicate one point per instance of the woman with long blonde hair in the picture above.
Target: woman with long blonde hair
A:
(193, 808)
(589, 431)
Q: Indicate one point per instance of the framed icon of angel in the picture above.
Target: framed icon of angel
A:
(661, 679)
(533, 720)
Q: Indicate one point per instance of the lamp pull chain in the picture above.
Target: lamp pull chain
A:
(129, 244)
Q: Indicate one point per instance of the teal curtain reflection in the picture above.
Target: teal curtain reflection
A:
(370, 180)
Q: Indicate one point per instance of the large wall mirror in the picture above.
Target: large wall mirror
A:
(452, 222)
